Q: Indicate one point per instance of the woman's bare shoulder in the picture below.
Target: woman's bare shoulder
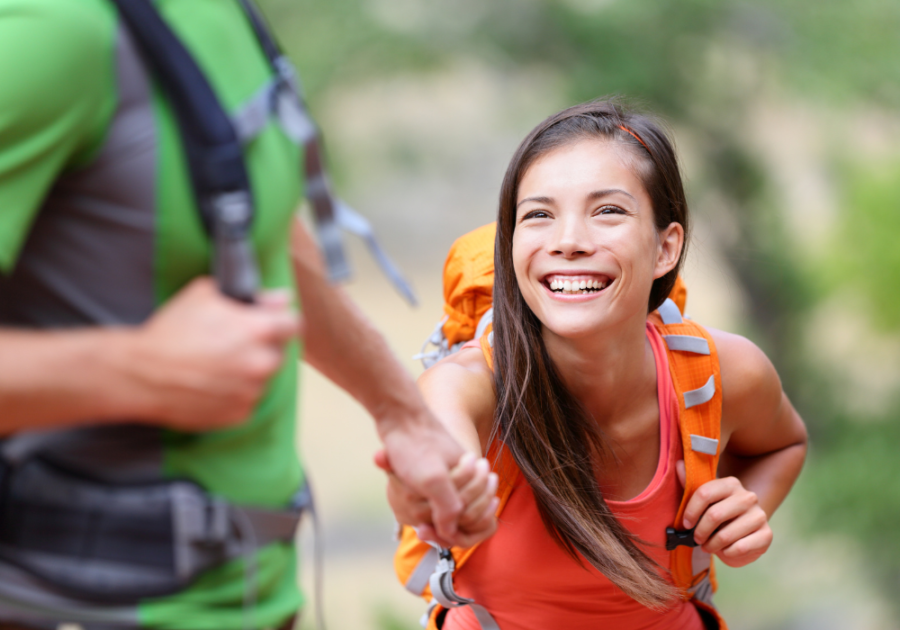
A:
(750, 385)
(462, 383)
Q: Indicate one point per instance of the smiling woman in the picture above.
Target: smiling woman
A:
(582, 386)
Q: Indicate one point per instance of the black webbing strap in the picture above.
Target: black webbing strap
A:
(214, 152)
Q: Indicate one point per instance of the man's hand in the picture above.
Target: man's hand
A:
(421, 453)
(477, 487)
(203, 360)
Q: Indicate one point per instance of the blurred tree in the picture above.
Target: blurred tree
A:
(703, 64)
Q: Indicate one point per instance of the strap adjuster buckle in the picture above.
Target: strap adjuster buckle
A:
(679, 537)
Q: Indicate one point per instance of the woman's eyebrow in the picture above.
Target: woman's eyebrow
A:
(598, 194)
(547, 200)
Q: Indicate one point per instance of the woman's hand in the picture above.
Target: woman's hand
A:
(729, 520)
(477, 487)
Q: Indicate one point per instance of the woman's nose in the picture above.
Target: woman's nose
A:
(571, 239)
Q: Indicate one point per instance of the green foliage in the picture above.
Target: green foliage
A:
(845, 51)
(699, 63)
(853, 487)
(386, 618)
(867, 253)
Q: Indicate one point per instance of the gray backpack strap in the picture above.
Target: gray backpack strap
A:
(25, 600)
(441, 583)
(282, 99)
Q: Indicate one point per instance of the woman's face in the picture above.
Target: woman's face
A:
(585, 247)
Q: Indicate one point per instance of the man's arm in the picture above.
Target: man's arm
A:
(342, 344)
(201, 362)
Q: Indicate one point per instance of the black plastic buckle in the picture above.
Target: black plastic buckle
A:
(676, 537)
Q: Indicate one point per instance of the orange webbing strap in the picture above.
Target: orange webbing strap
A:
(694, 365)
(678, 294)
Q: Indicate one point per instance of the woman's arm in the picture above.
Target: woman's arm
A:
(460, 392)
(764, 444)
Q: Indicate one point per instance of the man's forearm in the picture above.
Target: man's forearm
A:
(64, 378)
(341, 343)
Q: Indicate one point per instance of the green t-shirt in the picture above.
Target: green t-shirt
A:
(96, 204)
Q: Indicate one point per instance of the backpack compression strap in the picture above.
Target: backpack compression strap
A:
(282, 97)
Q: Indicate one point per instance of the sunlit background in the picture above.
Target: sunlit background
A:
(786, 114)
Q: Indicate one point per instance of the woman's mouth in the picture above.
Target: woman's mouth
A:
(576, 285)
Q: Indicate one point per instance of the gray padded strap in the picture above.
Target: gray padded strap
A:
(699, 396)
(687, 343)
(441, 583)
(484, 322)
(25, 599)
(355, 223)
(423, 620)
(21, 446)
(280, 98)
(484, 618)
(703, 591)
(252, 117)
(419, 579)
(700, 560)
(700, 444)
(270, 526)
(669, 312)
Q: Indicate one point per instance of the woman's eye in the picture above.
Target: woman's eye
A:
(610, 210)
(536, 214)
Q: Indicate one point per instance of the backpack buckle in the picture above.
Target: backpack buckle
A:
(677, 537)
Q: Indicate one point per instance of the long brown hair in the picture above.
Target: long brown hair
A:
(554, 441)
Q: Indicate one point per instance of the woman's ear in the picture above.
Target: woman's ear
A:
(671, 242)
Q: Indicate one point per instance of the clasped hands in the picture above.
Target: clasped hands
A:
(475, 517)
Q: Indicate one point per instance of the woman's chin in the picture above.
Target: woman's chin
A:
(580, 330)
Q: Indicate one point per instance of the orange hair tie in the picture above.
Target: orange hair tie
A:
(636, 137)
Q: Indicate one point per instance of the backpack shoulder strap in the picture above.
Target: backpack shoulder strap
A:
(214, 154)
(694, 365)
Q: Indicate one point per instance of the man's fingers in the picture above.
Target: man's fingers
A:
(446, 505)
(274, 299)
(279, 326)
(427, 533)
(461, 474)
(381, 460)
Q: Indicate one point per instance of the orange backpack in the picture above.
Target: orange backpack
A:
(427, 570)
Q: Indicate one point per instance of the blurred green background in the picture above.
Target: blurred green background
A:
(786, 115)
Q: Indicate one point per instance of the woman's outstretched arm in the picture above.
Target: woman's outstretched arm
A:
(459, 390)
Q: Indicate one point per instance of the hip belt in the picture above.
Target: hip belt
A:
(117, 544)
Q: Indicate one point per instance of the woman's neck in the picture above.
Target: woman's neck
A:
(610, 373)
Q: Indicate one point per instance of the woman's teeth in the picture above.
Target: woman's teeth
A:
(577, 286)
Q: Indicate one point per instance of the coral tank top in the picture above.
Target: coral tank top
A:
(527, 582)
